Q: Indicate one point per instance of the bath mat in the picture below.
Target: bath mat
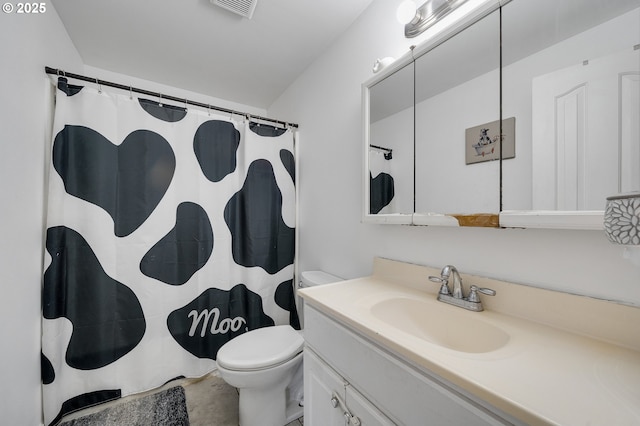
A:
(166, 408)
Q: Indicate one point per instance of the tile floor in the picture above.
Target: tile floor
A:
(210, 402)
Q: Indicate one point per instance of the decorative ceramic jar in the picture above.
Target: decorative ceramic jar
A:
(622, 219)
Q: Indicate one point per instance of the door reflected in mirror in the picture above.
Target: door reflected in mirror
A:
(571, 76)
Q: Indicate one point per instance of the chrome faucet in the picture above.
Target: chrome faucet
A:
(456, 297)
(451, 273)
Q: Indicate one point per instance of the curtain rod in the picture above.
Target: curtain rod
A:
(388, 153)
(381, 148)
(159, 95)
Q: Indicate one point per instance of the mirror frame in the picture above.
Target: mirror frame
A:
(540, 219)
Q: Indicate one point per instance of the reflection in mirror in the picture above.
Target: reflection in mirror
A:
(571, 77)
(390, 151)
(458, 93)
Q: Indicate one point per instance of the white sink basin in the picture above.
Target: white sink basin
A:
(444, 325)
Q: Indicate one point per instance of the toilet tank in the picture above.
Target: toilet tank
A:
(314, 278)
(311, 279)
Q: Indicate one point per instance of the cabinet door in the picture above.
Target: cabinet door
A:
(365, 411)
(320, 384)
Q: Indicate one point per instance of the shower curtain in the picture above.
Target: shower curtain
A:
(381, 183)
(169, 232)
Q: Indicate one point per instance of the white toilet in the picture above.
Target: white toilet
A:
(266, 366)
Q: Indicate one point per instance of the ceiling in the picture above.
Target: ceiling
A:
(194, 45)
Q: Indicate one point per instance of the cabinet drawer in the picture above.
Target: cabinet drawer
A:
(401, 392)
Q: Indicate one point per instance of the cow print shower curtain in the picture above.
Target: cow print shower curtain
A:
(170, 231)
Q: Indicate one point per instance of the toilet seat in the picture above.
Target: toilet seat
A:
(260, 349)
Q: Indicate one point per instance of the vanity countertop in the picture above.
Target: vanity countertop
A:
(569, 360)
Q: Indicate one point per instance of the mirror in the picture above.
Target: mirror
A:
(568, 94)
(457, 97)
(571, 76)
(389, 150)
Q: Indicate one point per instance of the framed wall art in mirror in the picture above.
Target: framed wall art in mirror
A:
(457, 90)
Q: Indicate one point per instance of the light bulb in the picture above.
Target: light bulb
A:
(406, 11)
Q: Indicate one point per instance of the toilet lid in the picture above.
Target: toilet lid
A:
(260, 348)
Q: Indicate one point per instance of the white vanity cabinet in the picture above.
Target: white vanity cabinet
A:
(376, 386)
(331, 401)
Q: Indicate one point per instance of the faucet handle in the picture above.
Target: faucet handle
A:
(473, 293)
(444, 288)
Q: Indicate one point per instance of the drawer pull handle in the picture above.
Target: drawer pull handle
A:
(336, 402)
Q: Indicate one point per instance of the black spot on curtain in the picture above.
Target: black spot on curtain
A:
(86, 400)
(215, 317)
(107, 318)
(215, 145)
(289, 163)
(47, 371)
(254, 216)
(286, 299)
(184, 250)
(68, 89)
(163, 112)
(266, 130)
(127, 180)
(381, 192)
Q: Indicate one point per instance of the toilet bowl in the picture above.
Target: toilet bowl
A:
(261, 364)
(266, 366)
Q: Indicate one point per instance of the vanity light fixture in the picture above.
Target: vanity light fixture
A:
(380, 64)
(243, 8)
(424, 16)
(406, 11)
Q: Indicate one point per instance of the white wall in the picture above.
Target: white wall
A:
(325, 101)
(29, 42)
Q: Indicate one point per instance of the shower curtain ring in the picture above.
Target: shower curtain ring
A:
(99, 86)
(209, 110)
(160, 100)
(130, 92)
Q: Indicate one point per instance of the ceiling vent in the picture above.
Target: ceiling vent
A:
(241, 7)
